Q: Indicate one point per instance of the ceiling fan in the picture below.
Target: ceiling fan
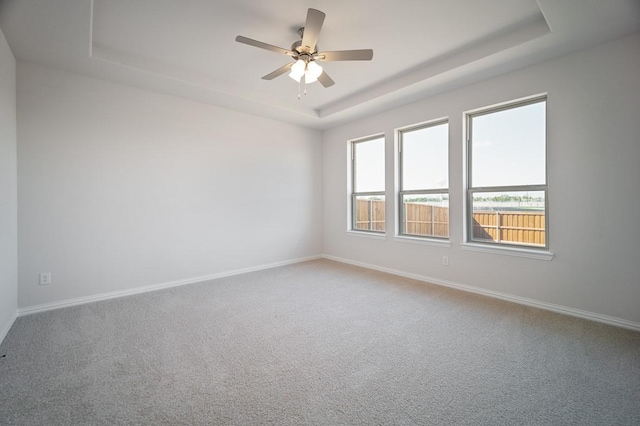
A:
(305, 53)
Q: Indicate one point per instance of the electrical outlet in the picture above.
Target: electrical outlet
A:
(45, 278)
(445, 260)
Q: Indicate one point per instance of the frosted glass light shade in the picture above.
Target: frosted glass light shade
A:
(297, 70)
(313, 72)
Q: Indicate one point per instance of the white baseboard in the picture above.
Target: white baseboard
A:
(153, 287)
(618, 322)
(6, 329)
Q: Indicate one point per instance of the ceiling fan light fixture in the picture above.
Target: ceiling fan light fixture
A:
(297, 70)
(305, 53)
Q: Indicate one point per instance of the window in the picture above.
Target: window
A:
(507, 178)
(367, 198)
(424, 180)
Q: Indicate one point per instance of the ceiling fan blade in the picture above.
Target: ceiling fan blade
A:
(283, 69)
(261, 45)
(325, 80)
(346, 55)
(312, 28)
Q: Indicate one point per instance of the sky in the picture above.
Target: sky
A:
(508, 148)
(369, 165)
(425, 158)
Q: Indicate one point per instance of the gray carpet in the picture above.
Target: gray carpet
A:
(316, 343)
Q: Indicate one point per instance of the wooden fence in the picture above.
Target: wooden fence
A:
(370, 215)
(524, 227)
(422, 219)
(510, 227)
(426, 220)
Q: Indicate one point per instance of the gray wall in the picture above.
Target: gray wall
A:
(8, 187)
(121, 188)
(593, 151)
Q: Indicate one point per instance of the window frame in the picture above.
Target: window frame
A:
(470, 190)
(401, 192)
(354, 194)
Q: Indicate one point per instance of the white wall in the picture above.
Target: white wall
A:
(594, 177)
(8, 187)
(121, 188)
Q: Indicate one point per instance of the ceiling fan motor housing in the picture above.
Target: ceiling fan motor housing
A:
(297, 47)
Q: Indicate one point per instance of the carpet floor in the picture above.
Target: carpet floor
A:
(316, 343)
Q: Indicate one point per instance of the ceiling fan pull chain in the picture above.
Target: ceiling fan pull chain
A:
(304, 78)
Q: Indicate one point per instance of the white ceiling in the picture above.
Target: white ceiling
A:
(187, 48)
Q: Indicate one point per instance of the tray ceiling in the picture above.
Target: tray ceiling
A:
(421, 47)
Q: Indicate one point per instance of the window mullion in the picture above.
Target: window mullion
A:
(426, 191)
(518, 188)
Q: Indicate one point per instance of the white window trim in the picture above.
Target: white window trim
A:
(401, 236)
(366, 234)
(425, 241)
(352, 186)
(508, 251)
(533, 252)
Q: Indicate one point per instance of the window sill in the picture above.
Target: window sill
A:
(372, 235)
(509, 251)
(422, 241)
